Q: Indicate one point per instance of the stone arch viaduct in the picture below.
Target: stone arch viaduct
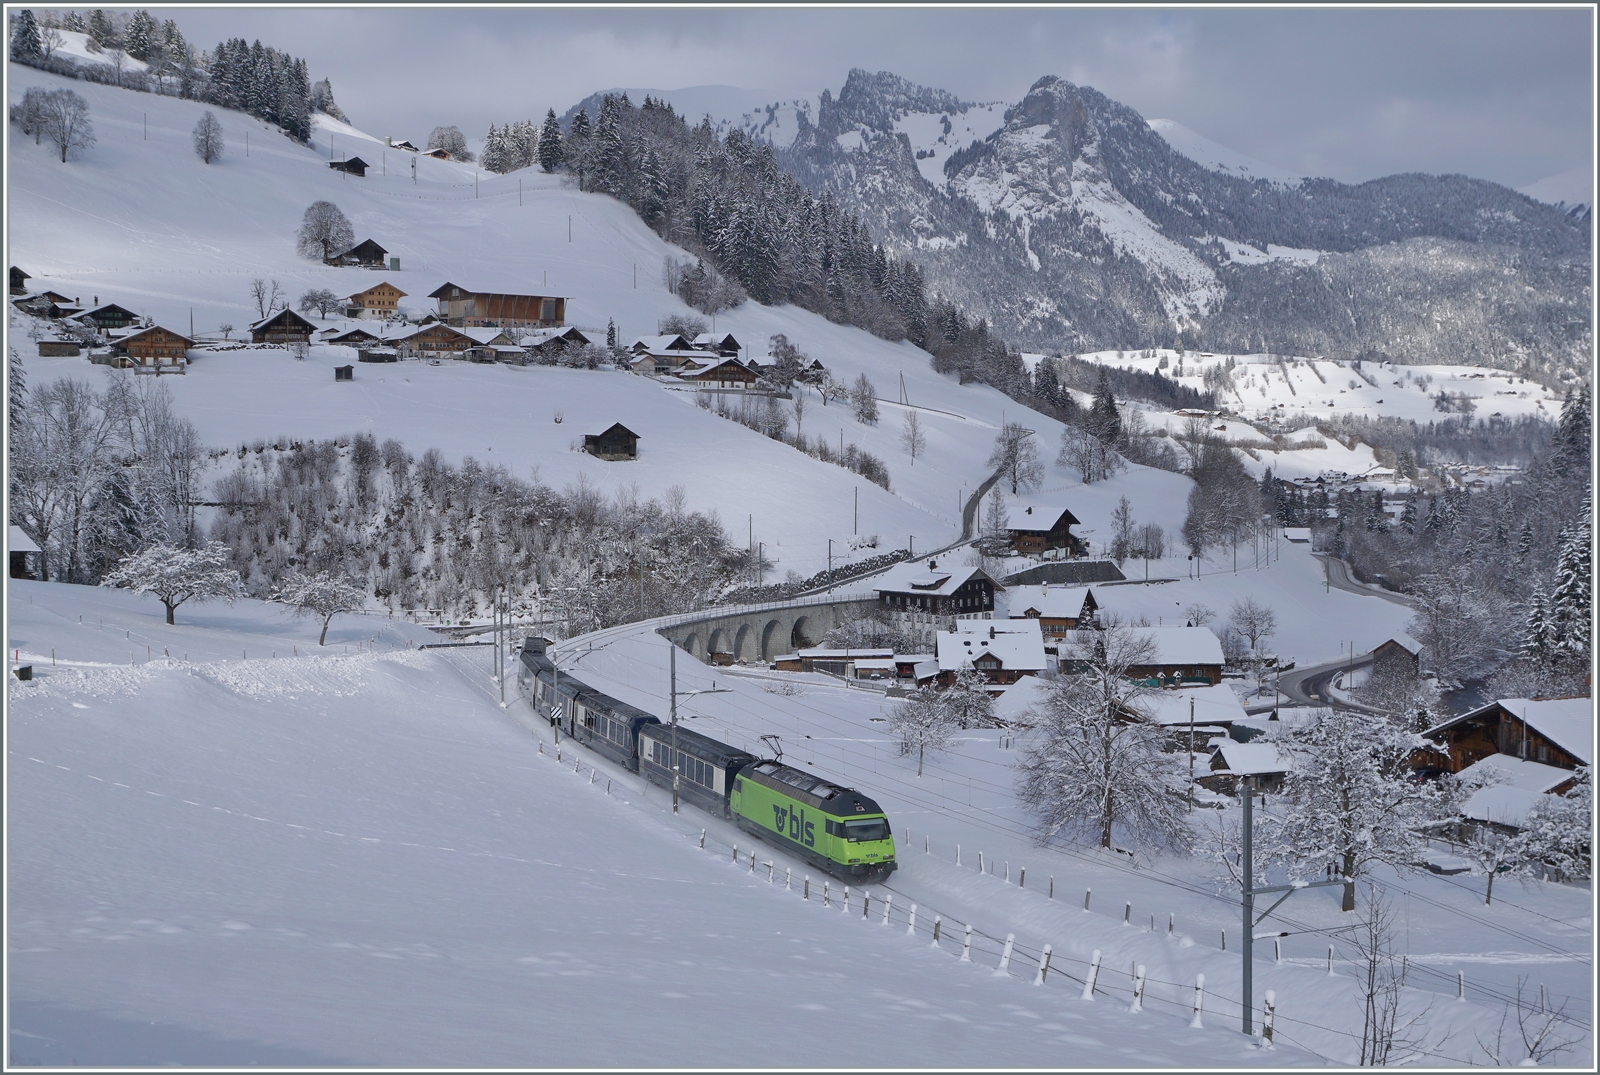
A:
(762, 632)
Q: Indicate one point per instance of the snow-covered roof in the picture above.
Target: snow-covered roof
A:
(1299, 534)
(1051, 602)
(1251, 759)
(1405, 642)
(1022, 696)
(915, 577)
(1514, 787)
(824, 654)
(1017, 643)
(17, 541)
(711, 367)
(1212, 705)
(1173, 645)
(277, 314)
(874, 664)
(1566, 722)
(660, 344)
(1029, 514)
(483, 336)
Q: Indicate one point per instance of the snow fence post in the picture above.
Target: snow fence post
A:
(1094, 972)
(966, 948)
(846, 899)
(1005, 955)
(866, 905)
(1330, 961)
(752, 862)
(980, 853)
(958, 854)
(769, 871)
(1127, 913)
(1052, 886)
(736, 854)
(787, 874)
(702, 839)
(937, 922)
(1461, 982)
(1171, 922)
(1199, 1000)
(888, 905)
(806, 895)
(1044, 966)
(825, 902)
(1224, 940)
(911, 925)
(1267, 1012)
(1022, 877)
(1086, 893)
(1138, 991)
(925, 843)
(1277, 950)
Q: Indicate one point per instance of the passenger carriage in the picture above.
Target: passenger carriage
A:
(707, 766)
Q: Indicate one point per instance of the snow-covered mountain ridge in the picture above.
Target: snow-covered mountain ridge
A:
(1074, 223)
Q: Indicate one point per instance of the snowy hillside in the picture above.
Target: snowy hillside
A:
(1570, 190)
(146, 224)
(287, 861)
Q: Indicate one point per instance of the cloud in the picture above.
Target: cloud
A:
(1500, 94)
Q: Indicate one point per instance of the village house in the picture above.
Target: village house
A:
(354, 166)
(837, 662)
(366, 252)
(285, 326)
(468, 309)
(107, 317)
(349, 337)
(1508, 788)
(437, 154)
(1059, 609)
(1002, 651)
(381, 301)
(1215, 710)
(1180, 656)
(402, 144)
(19, 281)
(1260, 763)
(1038, 528)
(153, 348)
(435, 341)
(49, 304)
(617, 443)
(724, 345)
(727, 373)
(1550, 731)
(924, 593)
(664, 354)
(1399, 657)
(547, 343)
(26, 558)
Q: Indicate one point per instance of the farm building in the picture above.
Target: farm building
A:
(60, 349)
(285, 326)
(1002, 651)
(153, 346)
(49, 304)
(354, 166)
(724, 344)
(548, 342)
(1040, 527)
(1180, 656)
(19, 281)
(27, 559)
(1508, 787)
(465, 308)
(728, 373)
(1058, 609)
(1260, 763)
(344, 373)
(107, 317)
(349, 337)
(437, 154)
(617, 443)
(1400, 655)
(366, 252)
(1551, 731)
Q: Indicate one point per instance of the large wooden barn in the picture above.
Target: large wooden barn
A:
(285, 326)
(465, 308)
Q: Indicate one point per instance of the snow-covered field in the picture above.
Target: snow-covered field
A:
(364, 859)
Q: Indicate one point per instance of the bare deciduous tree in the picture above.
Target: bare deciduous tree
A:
(1253, 620)
(922, 723)
(208, 138)
(64, 119)
(912, 438)
(265, 295)
(324, 232)
(1542, 1032)
(1017, 458)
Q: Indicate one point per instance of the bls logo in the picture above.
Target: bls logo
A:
(799, 829)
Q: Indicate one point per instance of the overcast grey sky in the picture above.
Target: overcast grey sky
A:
(1499, 94)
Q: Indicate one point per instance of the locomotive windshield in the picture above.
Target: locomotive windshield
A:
(868, 828)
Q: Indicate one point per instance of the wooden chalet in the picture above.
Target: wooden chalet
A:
(723, 345)
(1038, 527)
(354, 166)
(1058, 609)
(617, 443)
(405, 145)
(924, 590)
(153, 346)
(436, 340)
(1002, 651)
(1180, 656)
(381, 300)
(726, 373)
(1550, 731)
(1400, 655)
(25, 556)
(548, 342)
(350, 337)
(285, 326)
(437, 154)
(49, 304)
(107, 317)
(19, 281)
(465, 308)
(366, 252)
(60, 349)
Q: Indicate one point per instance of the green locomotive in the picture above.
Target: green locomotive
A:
(837, 829)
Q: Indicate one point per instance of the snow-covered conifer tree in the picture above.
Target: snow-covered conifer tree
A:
(25, 43)
(1095, 767)
(321, 596)
(141, 35)
(176, 575)
(864, 400)
(551, 152)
